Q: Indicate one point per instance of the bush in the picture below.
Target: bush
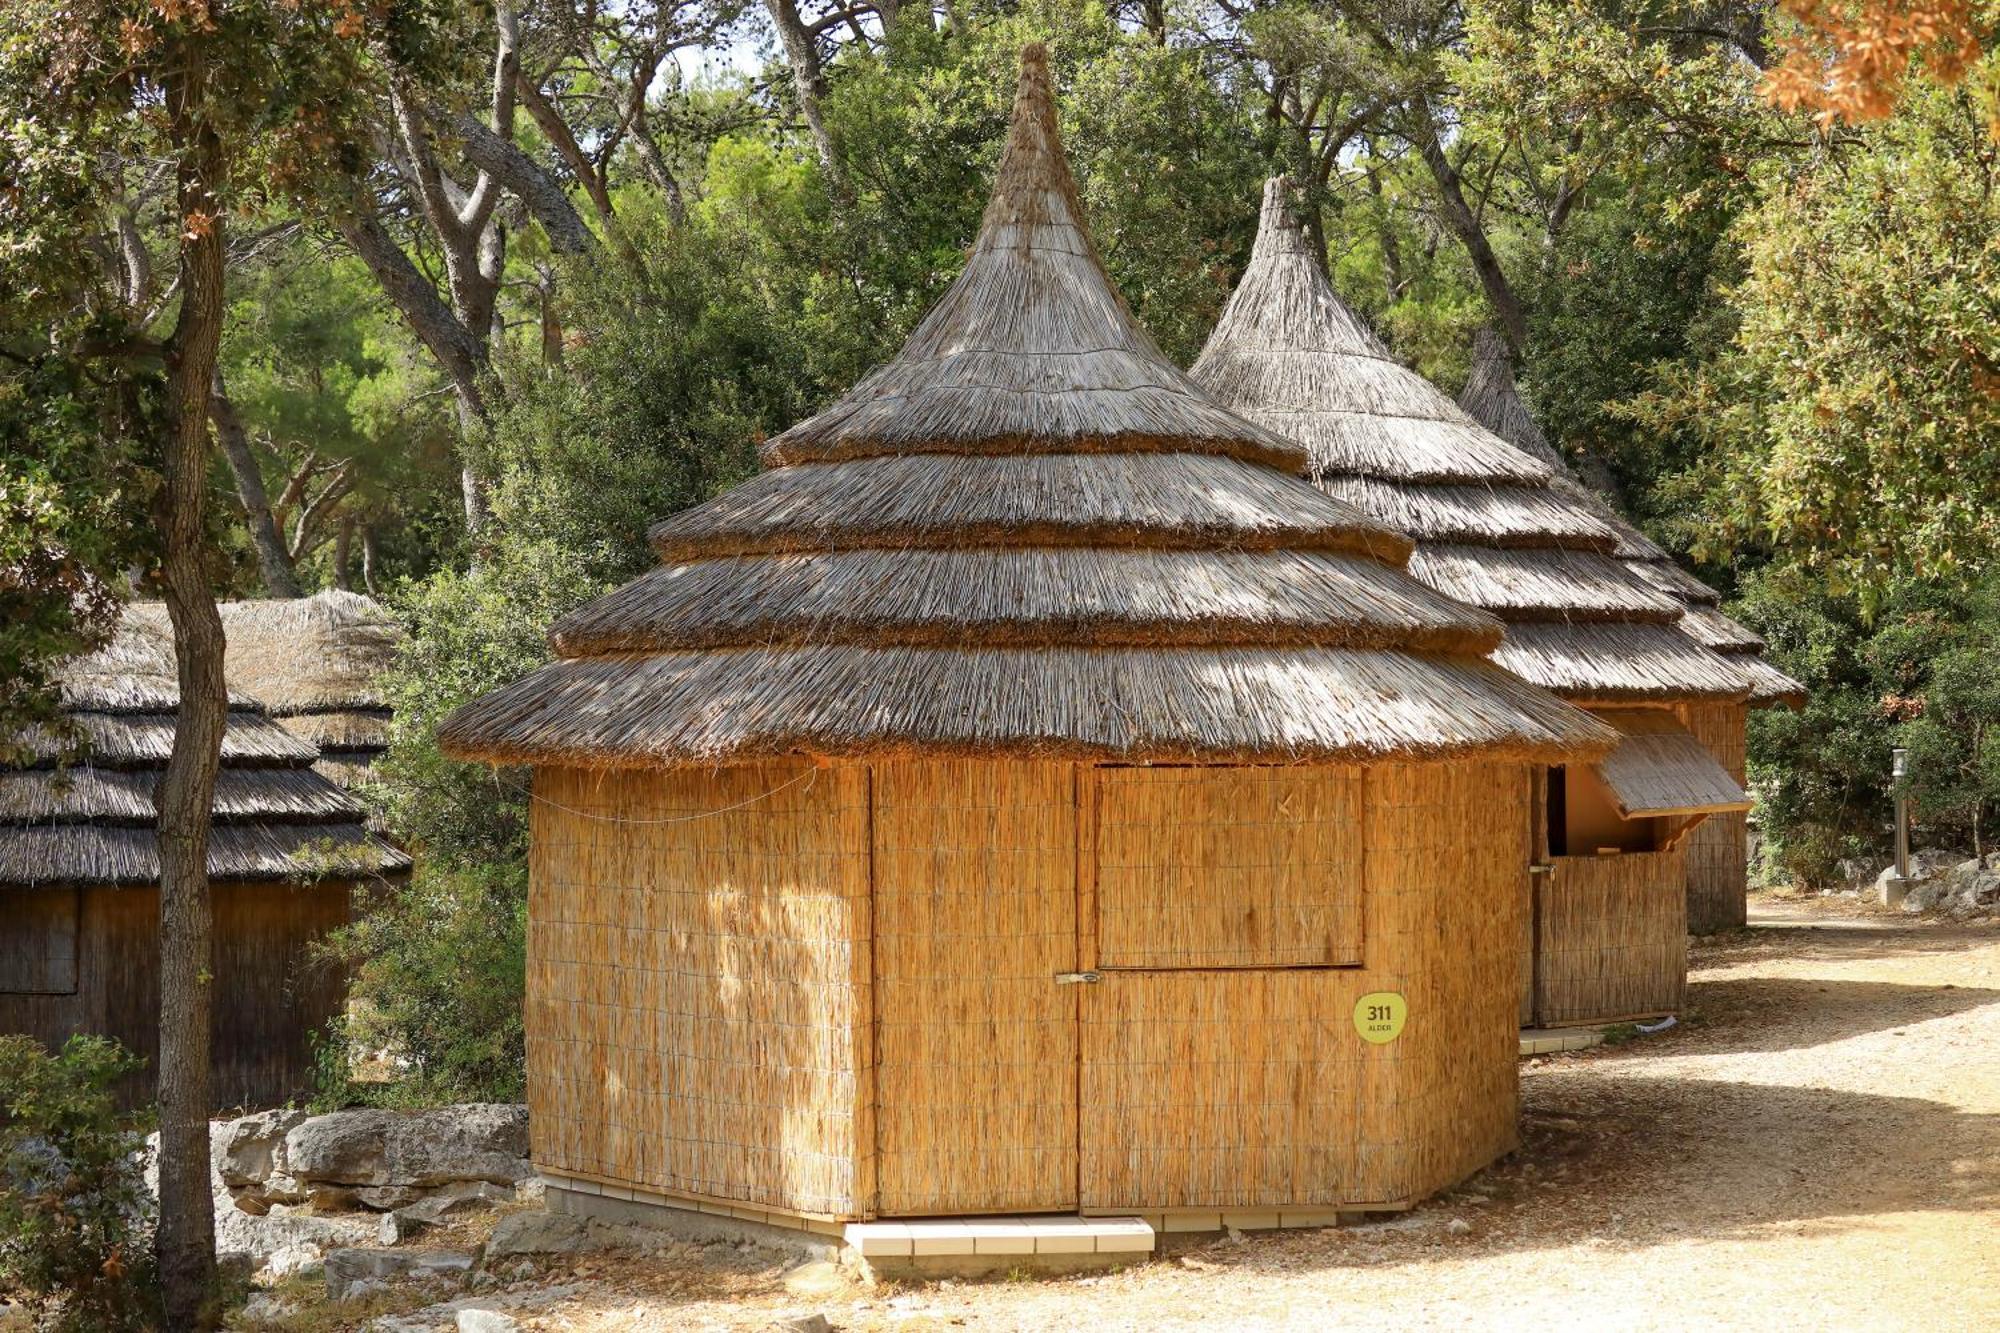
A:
(440, 963)
(76, 1218)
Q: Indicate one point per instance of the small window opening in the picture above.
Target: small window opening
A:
(1583, 818)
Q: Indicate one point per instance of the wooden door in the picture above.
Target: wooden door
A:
(976, 1043)
(1223, 913)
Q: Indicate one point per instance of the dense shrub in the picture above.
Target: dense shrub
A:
(76, 1218)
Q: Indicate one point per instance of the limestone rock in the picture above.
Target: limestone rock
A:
(251, 1147)
(351, 1273)
(471, 1320)
(479, 1141)
(537, 1233)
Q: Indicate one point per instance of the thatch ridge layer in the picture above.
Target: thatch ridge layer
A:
(1225, 705)
(1494, 398)
(89, 817)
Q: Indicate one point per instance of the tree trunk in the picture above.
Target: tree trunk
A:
(185, 1241)
(1508, 311)
(343, 555)
(370, 560)
(273, 563)
(808, 76)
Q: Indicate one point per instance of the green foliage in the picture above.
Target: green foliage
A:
(1922, 672)
(439, 964)
(1849, 422)
(76, 1217)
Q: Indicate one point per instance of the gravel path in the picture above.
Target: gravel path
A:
(1817, 1146)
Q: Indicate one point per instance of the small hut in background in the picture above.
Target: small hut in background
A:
(1026, 796)
(80, 869)
(1717, 851)
(1606, 934)
(314, 663)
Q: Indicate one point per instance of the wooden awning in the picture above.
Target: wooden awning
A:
(1659, 768)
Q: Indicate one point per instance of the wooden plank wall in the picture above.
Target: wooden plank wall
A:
(693, 1018)
(1718, 870)
(270, 999)
(975, 913)
(1613, 938)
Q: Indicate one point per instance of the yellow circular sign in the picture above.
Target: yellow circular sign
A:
(1379, 1016)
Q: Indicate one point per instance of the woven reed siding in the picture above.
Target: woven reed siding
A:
(1718, 862)
(976, 1046)
(1613, 938)
(1251, 1088)
(1203, 867)
(691, 1010)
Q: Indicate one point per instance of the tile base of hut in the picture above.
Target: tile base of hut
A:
(935, 1247)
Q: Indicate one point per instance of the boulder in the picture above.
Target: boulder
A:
(537, 1233)
(251, 1147)
(351, 1273)
(479, 1141)
(474, 1320)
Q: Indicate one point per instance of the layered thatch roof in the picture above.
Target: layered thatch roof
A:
(314, 663)
(1027, 535)
(89, 818)
(1493, 398)
(1492, 527)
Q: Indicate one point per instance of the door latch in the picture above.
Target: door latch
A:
(1076, 978)
(1541, 868)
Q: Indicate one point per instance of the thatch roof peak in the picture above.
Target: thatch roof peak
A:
(1031, 350)
(1028, 536)
(310, 654)
(1495, 527)
(1492, 398)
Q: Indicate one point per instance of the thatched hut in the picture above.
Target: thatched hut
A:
(1717, 851)
(315, 664)
(79, 875)
(1006, 802)
(1605, 935)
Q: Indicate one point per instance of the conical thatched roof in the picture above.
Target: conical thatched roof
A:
(314, 663)
(93, 821)
(1029, 534)
(1493, 398)
(1492, 528)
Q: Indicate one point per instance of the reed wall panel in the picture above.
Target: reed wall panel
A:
(1252, 1088)
(975, 868)
(692, 1014)
(1612, 938)
(1228, 867)
(1718, 859)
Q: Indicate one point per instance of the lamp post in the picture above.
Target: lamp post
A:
(1897, 884)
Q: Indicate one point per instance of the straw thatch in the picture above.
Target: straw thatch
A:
(1663, 769)
(1492, 397)
(314, 663)
(1492, 526)
(1029, 535)
(88, 818)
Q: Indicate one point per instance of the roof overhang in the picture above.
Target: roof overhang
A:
(1660, 768)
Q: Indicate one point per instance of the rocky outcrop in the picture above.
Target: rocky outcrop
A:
(290, 1186)
(1964, 887)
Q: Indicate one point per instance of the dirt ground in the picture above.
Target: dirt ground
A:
(1816, 1146)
